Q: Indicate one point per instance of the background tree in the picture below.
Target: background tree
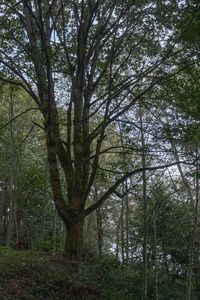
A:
(26, 216)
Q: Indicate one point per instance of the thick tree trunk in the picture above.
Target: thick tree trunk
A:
(74, 240)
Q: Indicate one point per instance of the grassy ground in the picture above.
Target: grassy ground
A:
(31, 275)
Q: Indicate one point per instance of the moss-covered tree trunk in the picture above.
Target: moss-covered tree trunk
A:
(74, 240)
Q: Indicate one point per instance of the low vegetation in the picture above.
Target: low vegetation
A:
(35, 275)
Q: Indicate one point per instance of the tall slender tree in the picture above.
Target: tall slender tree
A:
(100, 57)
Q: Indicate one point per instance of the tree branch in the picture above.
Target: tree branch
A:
(112, 189)
(24, 112)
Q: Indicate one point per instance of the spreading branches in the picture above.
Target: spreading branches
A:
(113, 188)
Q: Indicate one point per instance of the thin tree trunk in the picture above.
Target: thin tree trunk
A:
(156, 255)
(192, 248)
(62, 235)
(13, 181)
(127, 225)
(194, 204)
(99, 224)
(125, 191)
(196, 272)
(2, 203)
(1, 215)
(117, 241)
(145, 220)
(164, 251)
(191, 260)
(122, 235)
(44, 202)
(54, 232)
(99, 230)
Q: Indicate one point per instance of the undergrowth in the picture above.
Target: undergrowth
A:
(30, 275)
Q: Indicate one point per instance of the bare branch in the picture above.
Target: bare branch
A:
(24, 112)
(123, 178)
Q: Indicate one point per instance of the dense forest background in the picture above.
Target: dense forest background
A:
(137, 158)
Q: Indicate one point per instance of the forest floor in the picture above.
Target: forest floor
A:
(30, 275)
(34, 275)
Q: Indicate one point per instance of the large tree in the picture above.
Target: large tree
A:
(97, 59)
